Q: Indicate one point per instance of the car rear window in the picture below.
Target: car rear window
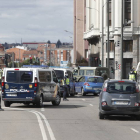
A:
(60, 74)
(121, 87)
(95, 80)
(19, 76)
(44, 76)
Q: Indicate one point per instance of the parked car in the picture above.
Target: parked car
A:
(89, 84)
(119, 98)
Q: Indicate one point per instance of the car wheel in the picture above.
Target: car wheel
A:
(137, 117)
(71, 94)
(27, 104)
(83, 93)
(101, 116)
(40, 101)
(57, 100)
(7, 104)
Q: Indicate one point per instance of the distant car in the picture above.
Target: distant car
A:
(89, 84)
(119, 98)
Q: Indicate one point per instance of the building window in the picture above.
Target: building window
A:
(111, 46)
(128, 45)
(127, 11)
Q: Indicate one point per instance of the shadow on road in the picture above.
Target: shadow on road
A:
(121, 118)
(48, 106)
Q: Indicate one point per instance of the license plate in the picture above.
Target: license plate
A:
(97, 88)
(13, 95)
(121, 103)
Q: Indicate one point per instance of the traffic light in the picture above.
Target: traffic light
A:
(118, 43)
(31, 60)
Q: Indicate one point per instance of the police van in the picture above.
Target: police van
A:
(60, 72)
(30, 85)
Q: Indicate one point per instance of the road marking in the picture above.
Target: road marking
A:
(134, 130)
(42, 109)
(48, 126)
(83, 99)
(40, 123)
(90, 104)
(41, 126)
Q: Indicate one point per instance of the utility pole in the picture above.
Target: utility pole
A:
(122, 25)
(107, 33)
(102, 62)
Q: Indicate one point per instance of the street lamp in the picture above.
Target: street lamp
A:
(68, 31)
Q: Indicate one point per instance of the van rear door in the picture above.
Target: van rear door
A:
(19, 84)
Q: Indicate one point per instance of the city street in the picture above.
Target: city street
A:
(76, 119)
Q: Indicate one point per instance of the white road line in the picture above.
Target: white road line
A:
(40, 123)
(90, 104)
(83, 99)
(41, 126)
(134, 130)
(48, 126)
(42, 109)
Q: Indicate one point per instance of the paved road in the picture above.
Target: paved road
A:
(76, 119)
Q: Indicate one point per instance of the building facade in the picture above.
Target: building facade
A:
(97, 29)
(80, 45)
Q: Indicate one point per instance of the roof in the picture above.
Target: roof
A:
(117, 80)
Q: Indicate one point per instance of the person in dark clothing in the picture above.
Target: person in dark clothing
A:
(65, 87)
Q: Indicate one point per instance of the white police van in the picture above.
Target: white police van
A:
(30, 85)
(60, 72)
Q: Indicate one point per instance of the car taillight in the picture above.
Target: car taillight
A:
(2, 82)
(137, 89)
(104, 103)
(86, 84)
(35, 82)
(137, 104)
(104, 89)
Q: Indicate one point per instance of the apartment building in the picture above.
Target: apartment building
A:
(80, 45)
(97, 26)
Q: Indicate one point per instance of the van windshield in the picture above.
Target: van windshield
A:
(100, 71)
(19, 76)
(60, 74)
(89, 72)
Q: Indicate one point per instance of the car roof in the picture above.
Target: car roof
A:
(115, 80)
(93, 76)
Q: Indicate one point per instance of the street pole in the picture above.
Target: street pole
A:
(13, 60)
(102, 63)
(122, 25)
(107, 33)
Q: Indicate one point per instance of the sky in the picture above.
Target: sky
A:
(36, 21)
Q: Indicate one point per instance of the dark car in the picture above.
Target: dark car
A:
(119, 98)
(89, 84)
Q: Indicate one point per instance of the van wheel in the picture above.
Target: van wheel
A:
(40, 101)
(101, 116)
(83, 93)
(27, 104)
(7, 104)
(57, 100)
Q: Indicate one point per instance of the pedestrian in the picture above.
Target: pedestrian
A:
(133, 74)
(65, 88)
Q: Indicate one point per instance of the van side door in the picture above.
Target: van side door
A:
(45, 84)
